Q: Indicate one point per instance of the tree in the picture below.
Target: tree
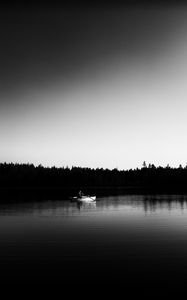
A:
(144, 164)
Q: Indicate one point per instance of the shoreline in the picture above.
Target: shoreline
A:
(28, 194)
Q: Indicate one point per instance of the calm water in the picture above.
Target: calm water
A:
(139, 238)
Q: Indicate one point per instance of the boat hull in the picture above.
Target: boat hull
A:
(87, 199)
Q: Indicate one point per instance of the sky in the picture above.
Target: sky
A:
(99, 86)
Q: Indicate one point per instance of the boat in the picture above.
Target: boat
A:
(85, 199)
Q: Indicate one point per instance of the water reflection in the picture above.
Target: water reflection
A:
(143, 203)
(165, 202)
(125, 237)
(85, 205)
(48, 208)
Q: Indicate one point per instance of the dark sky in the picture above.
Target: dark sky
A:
(40, 44)
(89, 84)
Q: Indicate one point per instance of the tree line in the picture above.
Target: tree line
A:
(148, 177)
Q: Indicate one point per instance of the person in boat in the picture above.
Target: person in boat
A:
(80, 194)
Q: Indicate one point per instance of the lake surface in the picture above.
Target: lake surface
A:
(137, 238)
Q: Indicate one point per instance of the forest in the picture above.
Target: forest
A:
(64, 182)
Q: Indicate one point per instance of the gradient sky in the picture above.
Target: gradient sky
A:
(94, 87)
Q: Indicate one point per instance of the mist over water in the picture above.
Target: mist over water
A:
(123, 238)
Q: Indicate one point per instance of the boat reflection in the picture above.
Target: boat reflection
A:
(86, 205)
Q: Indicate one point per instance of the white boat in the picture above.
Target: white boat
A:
(86, 199)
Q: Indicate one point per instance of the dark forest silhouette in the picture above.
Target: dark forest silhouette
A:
(67, 181)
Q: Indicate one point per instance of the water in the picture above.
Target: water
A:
(118, 239)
